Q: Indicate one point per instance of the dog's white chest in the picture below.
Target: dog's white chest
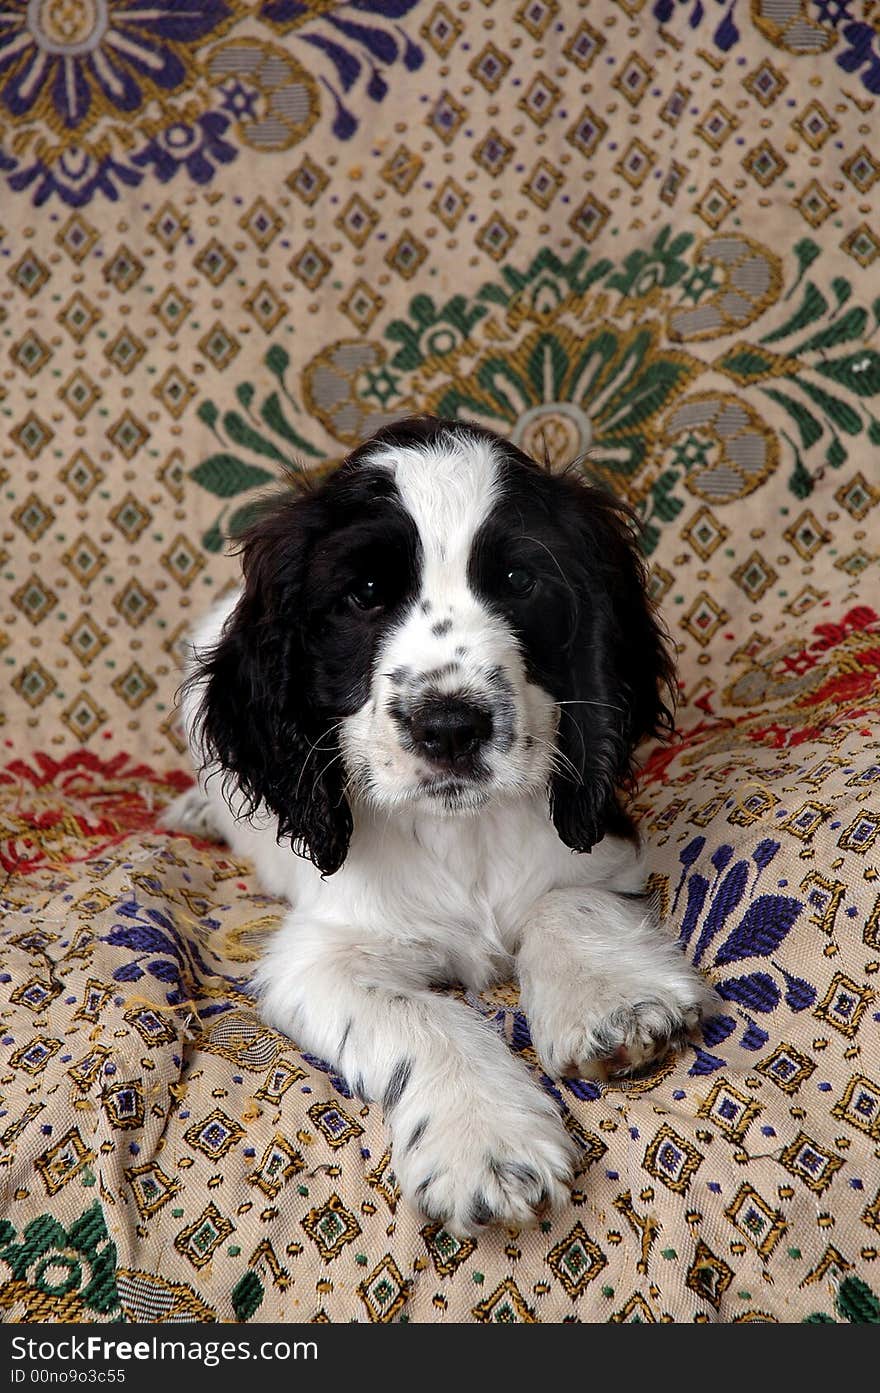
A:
(457, 890)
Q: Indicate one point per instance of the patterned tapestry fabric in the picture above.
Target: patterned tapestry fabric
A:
(239, 232)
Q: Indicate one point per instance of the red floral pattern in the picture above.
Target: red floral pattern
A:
(76, 807)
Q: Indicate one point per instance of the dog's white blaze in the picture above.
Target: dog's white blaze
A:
(449, 493)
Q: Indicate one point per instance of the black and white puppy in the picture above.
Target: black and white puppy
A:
(420, 708)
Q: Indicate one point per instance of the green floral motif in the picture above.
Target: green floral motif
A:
(613, 384)
(855, 1302)
(265, 434)
(55, 1272)
(247, 1296)
(613, 365)
(431, 331)
(806, 381)
(546, 288)
(663, 266)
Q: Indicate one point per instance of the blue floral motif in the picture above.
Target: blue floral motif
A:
(798, 993)
(832, 11)
(724, 902)
(160, 950)
(197, 148)
(121, 51)
(705, 1063)
(725, 33)
(760, 930)
(859, 53)
(687, 857)
(336, 1080)
(716, 1030)
(291, 13)
(697, 890)
(756, 990)
(238, 100)
(68, 73)
(374, 43)
(754, 1038)
(76, 177)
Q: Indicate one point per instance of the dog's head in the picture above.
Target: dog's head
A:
(440, 625)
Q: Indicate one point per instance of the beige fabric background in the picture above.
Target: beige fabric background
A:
(236, 233)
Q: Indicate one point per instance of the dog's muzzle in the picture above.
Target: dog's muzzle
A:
(449, 733)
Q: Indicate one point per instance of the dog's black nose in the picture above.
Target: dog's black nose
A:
(449, 731)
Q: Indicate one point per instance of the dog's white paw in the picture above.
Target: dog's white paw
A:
(471, 1159)
(191, 812)
(577, 1031)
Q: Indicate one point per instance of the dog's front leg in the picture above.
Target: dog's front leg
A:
(605, 991)
(474, 1139)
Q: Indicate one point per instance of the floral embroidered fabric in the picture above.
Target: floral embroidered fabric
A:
(642, 235)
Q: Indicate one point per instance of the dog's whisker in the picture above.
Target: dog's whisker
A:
(559, 761)
(584, 702)
(316, 745)
(319, 776)
(536, 541)
(564, 712)
(559, 758)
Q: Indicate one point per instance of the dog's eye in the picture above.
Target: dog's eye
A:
(366, 594)
(519, 581)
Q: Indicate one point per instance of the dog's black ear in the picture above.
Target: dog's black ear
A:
(619, 669)
(255, 719)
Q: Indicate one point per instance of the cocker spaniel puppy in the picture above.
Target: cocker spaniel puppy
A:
(414, 718)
